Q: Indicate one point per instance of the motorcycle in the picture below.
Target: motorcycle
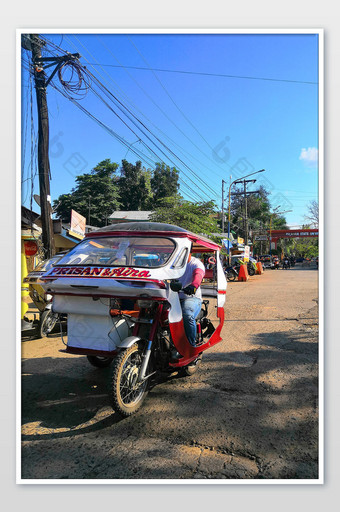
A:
(285, 264)
(125, 312)
(275, 264)
(251, 269)
(42, 301)
(231, 273)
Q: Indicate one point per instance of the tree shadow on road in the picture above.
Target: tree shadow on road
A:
(259, 404)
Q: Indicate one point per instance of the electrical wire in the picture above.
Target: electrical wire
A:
(123, 108)
(201, 73)
(164, 113)
(124, 123)
(90, 79)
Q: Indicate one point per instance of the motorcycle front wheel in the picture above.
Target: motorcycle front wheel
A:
(251, 271)
(126, 393)
(231, 276)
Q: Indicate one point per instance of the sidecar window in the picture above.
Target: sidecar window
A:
(121, 251)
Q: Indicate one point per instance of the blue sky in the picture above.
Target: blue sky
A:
(264, 116)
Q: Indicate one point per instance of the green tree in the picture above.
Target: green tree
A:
(258, 209)
(198, 217)
(164, 182)
(95, 195)
(134, 187)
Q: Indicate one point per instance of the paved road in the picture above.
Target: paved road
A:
(250, 412)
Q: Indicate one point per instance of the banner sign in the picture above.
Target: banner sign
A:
(227, 243)
(261, 238)
(78, 223)
(294, 233)
(246, 253)
(97, 272)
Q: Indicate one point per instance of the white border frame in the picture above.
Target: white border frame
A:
(317, 31)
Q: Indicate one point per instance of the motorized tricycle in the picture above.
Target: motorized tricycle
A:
(117, 289)
(42, 301)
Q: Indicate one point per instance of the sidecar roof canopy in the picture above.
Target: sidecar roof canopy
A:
(155, 229)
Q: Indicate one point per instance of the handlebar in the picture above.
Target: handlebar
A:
(176, 286)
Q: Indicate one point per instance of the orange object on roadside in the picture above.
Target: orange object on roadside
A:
(243, 273)
(259, 268)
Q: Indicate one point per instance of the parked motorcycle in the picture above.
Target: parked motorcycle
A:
(231, 273)
(285, 264)
(42, 301)
(128, 315)
(251, 269)
(275, 264)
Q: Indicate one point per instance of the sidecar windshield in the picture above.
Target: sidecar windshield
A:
(121, 251)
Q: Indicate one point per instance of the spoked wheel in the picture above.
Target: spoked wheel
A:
(48, 319)
(99, 361)
(191, 368)
(127, 394)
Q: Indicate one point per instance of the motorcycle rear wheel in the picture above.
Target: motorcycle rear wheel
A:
(127, 395)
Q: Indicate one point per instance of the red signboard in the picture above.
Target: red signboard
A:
(293, 233)
(31, 248)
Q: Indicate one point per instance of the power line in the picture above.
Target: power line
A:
(138, 153)
(182, 113)
(127, 112)
(201, 73)
(164, 113)
(144, 126)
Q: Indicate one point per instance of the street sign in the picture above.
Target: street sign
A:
(31, 248)
(261, 238)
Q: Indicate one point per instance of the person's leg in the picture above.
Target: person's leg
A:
(190, 308)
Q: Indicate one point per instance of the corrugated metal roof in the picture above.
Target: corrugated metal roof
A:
(131, 215)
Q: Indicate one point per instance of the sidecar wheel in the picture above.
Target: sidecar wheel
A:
(99, 362)
(192, 368)
(127, 395)
(48, 319)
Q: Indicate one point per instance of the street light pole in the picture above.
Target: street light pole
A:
(231, 184)
(270, 228)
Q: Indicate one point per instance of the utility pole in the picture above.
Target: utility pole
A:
(89, 210)
(245, 212)
(223, 182)
(245, 193)
(43, 149)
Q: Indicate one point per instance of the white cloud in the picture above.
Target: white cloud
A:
(309, 156)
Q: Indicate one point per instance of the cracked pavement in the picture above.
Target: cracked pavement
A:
(249, 412)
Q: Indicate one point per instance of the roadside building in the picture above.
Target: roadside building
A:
(129, 216)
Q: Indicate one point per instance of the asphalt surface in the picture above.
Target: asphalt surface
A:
(249, 412)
